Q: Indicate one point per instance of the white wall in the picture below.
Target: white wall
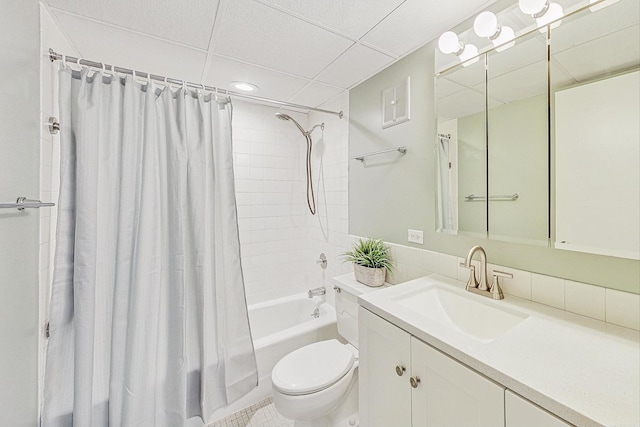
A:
(328, 230)
(51, 36)
(19, 159)
(280, 239)
(269, 157)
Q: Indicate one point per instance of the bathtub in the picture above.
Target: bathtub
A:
(278, 327)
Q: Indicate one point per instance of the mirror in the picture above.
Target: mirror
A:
(517, 120)
(562, 134)
(596, 110)
(461, 150)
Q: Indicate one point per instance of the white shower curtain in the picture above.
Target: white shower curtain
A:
(148, 317)
(445, 217)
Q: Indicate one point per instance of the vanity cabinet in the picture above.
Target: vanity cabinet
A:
(450, 394)
(519, 412)
(384, 371)
(405, 382)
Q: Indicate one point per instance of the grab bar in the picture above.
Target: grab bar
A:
(402, 150)
(508, 197)
(23, 203)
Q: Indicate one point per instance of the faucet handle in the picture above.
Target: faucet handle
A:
(496, 290)
(472, 282)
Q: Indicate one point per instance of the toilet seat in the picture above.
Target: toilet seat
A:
(312, 368)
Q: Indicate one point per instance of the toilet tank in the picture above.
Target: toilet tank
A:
(347, 290)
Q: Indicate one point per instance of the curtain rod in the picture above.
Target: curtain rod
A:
(54, 56)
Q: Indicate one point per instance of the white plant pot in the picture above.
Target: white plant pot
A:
(373, 277)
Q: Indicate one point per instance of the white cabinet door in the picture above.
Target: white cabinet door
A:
(522, 413)
(450, 394)
(385, 396)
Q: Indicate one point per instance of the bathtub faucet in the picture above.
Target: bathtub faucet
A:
(317, 292)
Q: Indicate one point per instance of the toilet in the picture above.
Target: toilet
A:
(317, 385)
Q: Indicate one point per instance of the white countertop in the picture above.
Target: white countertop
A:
(583, 370)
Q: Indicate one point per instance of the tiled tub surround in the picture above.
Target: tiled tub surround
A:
(608, 305)
(583, 370)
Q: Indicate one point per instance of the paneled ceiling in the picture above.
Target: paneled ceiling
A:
(302, 51)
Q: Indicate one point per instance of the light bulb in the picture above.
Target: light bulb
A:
(532, 7)
(554, 12)
(449, 43)
(505, 40)
(486, 24)
(470, 51)
(601, 5)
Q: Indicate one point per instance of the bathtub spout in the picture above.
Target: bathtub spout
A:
(317, 292)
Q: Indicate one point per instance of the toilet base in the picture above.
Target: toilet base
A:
(345, 415)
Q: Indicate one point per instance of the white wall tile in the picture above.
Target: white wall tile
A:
(448, 266)
(623, 308)
(587, 300)
(547, 290)
(430, 261)
(519, 286)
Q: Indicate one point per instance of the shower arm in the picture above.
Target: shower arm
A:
(321, 126)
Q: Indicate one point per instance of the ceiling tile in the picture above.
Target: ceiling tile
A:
(353, 66)
(256, 33)
(187, 21)
(615, 52)
(115, 46)
(522, 83)
(353, 18)
(220, 72)
(417, 22)
(315, 94)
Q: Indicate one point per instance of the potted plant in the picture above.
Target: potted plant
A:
(370, 258)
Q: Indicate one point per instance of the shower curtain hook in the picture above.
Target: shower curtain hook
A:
(78, 62)
(64, 61)
(149, 79)
(133, 79)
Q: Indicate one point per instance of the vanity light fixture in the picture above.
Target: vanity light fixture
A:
(486, 25)
(244, 86)
(602, 5)
(450, 43)
(543, 11)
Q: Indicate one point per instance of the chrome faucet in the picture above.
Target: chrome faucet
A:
(316, 292)
(483, 287)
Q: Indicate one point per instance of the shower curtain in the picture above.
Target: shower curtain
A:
(148, 318)
(445, 220)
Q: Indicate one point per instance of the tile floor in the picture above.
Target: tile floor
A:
(262, 414)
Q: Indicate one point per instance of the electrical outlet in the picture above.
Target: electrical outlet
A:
(415, 236)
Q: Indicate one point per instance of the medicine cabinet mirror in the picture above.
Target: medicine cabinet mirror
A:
(561, 132)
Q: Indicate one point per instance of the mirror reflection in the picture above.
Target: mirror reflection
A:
(596, 124)
(461, 150)
(517, 118)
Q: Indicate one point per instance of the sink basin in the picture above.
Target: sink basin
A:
(477, 319)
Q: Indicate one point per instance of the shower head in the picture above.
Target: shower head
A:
(283, 116)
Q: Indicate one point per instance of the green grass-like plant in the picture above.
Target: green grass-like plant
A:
(370, 253)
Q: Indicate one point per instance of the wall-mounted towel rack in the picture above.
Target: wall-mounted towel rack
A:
(402, 150)
(507, 198)
(23, 203)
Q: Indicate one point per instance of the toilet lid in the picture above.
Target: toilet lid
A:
(312, 368)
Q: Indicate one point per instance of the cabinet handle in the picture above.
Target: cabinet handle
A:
(415, 381)
(400, 370)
